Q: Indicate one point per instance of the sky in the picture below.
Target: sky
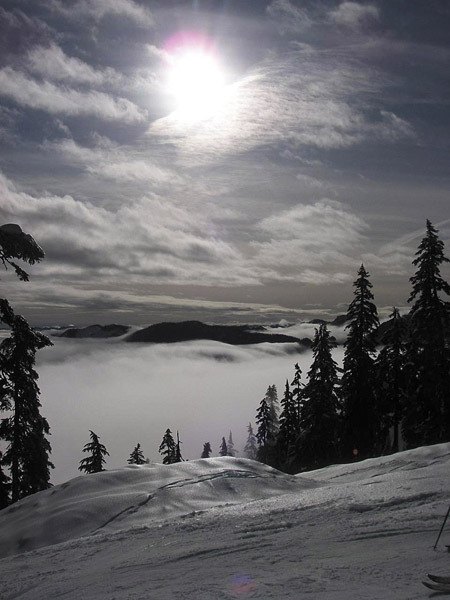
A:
(310, 137)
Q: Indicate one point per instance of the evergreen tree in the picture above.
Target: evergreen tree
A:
(206, 450)
(265, 434)
(251, 448)
(178, 457)
(25, 430)
(137, 456)
(318, 442)
(297, 395)
(168, 449)
(288, 432)
(390, 368)
(223, 448)
(427, 412)
(14, 243)
(358, 393)
(93, 463)
(5, 487)
(230, 445)
(272, 401)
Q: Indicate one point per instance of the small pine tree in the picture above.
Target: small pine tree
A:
(137, 456)
(94, 463)
(427, 411)
(390, 370)
(178, 457)
(358, 390)
(5, 487)
(288, 432)
(168, 449)
(230, 445)
(223, 448)
(251, 448)
(207, 451)
(320, 425)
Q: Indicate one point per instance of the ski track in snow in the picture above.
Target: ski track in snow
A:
(230, 528)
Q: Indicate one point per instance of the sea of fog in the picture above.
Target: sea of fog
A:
(130, 393)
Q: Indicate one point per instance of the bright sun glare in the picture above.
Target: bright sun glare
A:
(196, 81)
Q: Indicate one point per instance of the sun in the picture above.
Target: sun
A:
(195, 79)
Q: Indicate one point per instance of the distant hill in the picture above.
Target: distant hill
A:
(95, 331)
(185, 331)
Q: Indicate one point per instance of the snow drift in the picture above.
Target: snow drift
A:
(227, 528)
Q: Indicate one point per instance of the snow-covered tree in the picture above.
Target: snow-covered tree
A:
(223, 448)
(251, 448)
(95, 461)
(230, 445)
(265, 434)
(357, 391)
(25, 430)
(297, 394)
(14, 243)
(390, 369)
(206, 450)
(137, 456)
(427, 411)
(168, 449)
(272, 401)
(320, 425)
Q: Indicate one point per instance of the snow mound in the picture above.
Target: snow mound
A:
(135, 496)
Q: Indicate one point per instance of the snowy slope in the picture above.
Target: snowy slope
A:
(230, 528)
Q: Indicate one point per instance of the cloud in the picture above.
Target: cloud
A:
(55, 99)
(19, 32)
(98, 9)
(114, 163)
(289, 17)
(313, 244)
(53, 64)
(354, 15)
(294, 99)
(148, 240)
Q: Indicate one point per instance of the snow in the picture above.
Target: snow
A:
(232, 528)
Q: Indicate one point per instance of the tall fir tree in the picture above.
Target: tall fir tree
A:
(5, 487)
(358, 388)
(266, 432)
(427, 411)
(297, 387)
(223, 448)
(93, 463)
(25, 429)
(168, 449)
(274, 405)
(207, 451)
(318, 444)
(390, 369)
(287, 434)
(230, 445)
(251, 448)
(137, 456)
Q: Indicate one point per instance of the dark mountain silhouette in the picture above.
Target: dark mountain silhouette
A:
(184, 331)
(95, 331)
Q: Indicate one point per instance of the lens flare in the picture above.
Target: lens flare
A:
(195, 77)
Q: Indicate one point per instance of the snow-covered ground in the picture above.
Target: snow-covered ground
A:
(231, 528)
